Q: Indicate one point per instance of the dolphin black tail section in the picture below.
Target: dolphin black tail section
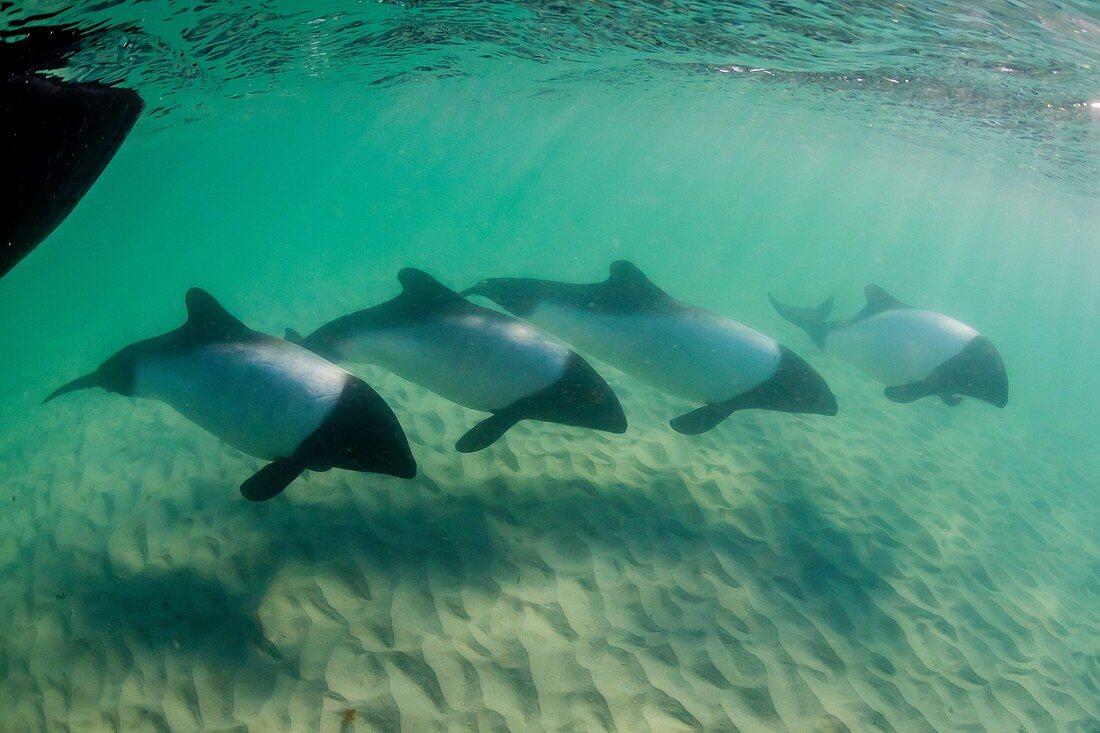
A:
(56, 136)
(814, 321)
(86, 382)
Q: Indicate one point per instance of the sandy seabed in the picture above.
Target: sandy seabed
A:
(896, 568)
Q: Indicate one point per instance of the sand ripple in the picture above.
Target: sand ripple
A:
(892, 569)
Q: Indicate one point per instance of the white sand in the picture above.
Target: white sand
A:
(897, 568)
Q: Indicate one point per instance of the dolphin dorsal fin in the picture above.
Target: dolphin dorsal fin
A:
(878, 300)
(627, 274)
(208, 318)
(423, 290)
(632, 289)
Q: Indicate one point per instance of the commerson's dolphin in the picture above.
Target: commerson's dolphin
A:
(476, 357)
(56, 136)
(630, 323)
(264, 396)
(914, 352)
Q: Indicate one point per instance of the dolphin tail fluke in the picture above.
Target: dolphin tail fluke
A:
(271, 480)
(814, 321)
(486, 432)
(86, 382)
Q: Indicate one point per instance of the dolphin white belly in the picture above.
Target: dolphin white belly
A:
(261, 398)
(692, 354)
(900, 346)
(479, 361)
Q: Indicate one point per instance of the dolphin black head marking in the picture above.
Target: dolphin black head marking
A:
(794, 386)
(360, 434)
(580, 398)
(57, 136)
(977, 371)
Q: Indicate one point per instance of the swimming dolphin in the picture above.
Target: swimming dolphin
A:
(476, 357)
(630, 323)
(914, 352)
(56, 136)
(264, 396)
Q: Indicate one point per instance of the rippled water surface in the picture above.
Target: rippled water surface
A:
(1021, 74)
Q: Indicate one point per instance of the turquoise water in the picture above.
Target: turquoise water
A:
(291, 162)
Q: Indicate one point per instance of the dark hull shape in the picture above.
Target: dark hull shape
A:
(56, 137)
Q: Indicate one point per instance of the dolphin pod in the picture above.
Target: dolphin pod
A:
(287, 401)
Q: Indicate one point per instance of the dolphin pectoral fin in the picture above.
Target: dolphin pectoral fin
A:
(905, 393)
(272, 479)
(703, 419)
(486, 432)
(951, 400)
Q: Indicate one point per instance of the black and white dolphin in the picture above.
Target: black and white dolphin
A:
(476, 357)
(264, 396)
(56, 136)
(914, 352)
(630, 323)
